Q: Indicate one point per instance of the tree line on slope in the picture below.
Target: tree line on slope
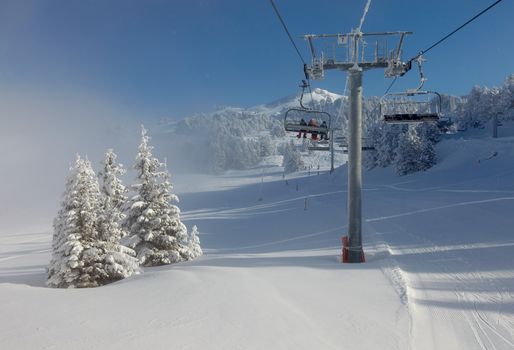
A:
(236, 139)
(407, 148)
(101, 235)
(483, 103)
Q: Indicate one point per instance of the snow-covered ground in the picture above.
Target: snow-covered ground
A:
(439, 271)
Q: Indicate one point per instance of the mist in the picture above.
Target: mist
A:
(40, 135)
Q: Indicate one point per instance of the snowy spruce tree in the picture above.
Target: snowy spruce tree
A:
(292, 160)
(82, 254)
(193, 244)
(428, 137)
(153, 223)
(119, 257)
(407, 158)
(387, 144)
(370, 157)
(114, 194)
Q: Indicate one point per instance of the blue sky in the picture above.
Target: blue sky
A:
(175, 58)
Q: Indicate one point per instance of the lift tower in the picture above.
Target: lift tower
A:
(354, 53)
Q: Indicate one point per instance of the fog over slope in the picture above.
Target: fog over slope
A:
(39, 137)
(42, 132)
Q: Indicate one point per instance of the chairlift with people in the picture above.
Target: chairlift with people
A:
(303, 120)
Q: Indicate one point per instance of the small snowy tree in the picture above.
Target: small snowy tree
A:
(428, 136)
(427, 155)
(119, 260)
(267, 146)
(114, 195)
(156, 232)
(407, 154)
(193, 244)
(506, 99)
(386, 144)
(370, 157)
(292, 160)
(82, 256)
(477, 110)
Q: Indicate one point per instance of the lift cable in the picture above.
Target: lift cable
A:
(294, 44)
(391, 85)
(287, 31)
(422, 52)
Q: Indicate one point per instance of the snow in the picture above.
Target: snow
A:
(438, 275)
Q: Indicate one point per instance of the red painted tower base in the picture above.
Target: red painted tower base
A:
(346, 251)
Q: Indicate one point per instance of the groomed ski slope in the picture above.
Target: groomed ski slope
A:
(439, 275)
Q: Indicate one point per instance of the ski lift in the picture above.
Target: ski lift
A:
(412, 106)
(345, 150)
(367, 144)
(307, 120)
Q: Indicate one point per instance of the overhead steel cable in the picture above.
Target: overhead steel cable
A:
(422, 52)
(294, 44)
(391, 85)
(287, 31)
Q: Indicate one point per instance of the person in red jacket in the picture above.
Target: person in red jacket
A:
(314, 134)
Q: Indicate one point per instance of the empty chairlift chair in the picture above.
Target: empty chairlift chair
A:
(411, 107)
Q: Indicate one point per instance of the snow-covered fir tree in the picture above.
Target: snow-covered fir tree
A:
(504, 102)
(370, 157)
(428, 136)
(267, 147)
(387, 144)
(82, 253)
(193, 244)
(477, 110)
(407, 153)
(114, 194)
(118, 257)
(292, 160)
(156, 232)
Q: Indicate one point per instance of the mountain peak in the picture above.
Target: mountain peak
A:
(326, 94)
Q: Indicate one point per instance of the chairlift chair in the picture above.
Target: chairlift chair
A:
(415, 106)
(363, 148)
(307, 120)
(294, 116)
